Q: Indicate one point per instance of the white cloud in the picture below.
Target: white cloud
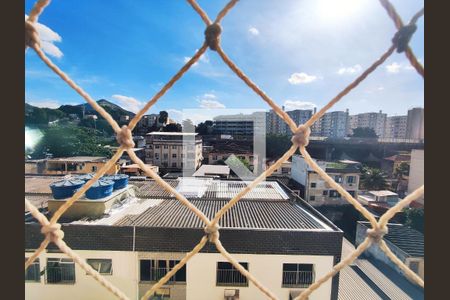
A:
(128, 103)
(49, 103)
(349, 70)
(297, 104)
(253, 31)
(209, 101)
(48, 37)
(298, 78)
(204, 59)
(393, 68)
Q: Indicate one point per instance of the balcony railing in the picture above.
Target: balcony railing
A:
(301, 279)
(157, 273)
(64, 275)
(227, 277)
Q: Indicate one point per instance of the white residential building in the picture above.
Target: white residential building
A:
(138, 243)
(415, 124)
(318, 192)
(173, 150)
(396, 127)
(373, 120)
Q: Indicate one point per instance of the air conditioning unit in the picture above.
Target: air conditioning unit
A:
(231, 294)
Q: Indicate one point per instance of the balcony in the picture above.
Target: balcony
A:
(60, 275)
(297, 279)
(230, 277)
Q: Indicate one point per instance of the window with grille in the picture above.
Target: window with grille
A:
(228, 275)
(153, 270)
(33, 272)
(313, 184)
(351, 179)
(103, 266)
(334, 194)
(298, 275)
(60, 271)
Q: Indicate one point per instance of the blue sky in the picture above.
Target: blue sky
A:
(301, 53)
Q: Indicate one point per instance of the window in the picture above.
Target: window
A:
(313, 184)
(228, 275)
(214, 157)
(150, 147)
(33, 272)
(156, 155)
(156, 146)
(312, 198)
(166, 147)
(325, 193)
(298, 275)
(103, 266)
(60, 270)
(94, 168)
(350, 179)
(174, 165)
(338, 178)
(414, 266)
(334, 194)
(154, 270)
(174, 147)
(285, 170)
(174, 155)
(165, 156)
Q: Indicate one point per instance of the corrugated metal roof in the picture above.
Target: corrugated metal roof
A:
(407, 239)
(214, 189)
(245, 214)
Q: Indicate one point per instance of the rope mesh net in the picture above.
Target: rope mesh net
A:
(52, 229)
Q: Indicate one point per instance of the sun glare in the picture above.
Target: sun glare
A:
(338, 10)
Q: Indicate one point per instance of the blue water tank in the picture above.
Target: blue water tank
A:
(85, 177)
(100, 189)
(65, 188)
(120, 180)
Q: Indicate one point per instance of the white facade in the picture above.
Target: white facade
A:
(124, 276)
(396, 127)
(415, 124)
(416, 171)
(376, 121)
(200, 276)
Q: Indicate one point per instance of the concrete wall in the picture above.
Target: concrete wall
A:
(416, 171)
(268, 269)
(124, 276)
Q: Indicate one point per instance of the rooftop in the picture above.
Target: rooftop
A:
(407, 239)
(383, 193)
(79, 159)
(212, 169)
(172, 133)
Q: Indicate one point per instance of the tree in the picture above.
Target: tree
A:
(402, 170)
(364, 132)
(373, 179)
(415, 218)
(204, 128)
(163, 116)
(277, 145)
(63, 141)
(172, 128)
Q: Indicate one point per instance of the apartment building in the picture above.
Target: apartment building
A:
(415, 124)
(373, 120)
(332, 124)
(240, 124)
(396, 127)
(173, 150)
(138, 243)
(315, 190)
(276, 125)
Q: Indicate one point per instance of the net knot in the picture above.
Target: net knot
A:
(376, 234)
(53, 231)
(403, 36)
(212, 231)
(212, 36)
(125, 138)
(301, 136)
(31, 34)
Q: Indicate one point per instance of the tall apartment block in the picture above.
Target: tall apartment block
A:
(376, 121)
(415, 124)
